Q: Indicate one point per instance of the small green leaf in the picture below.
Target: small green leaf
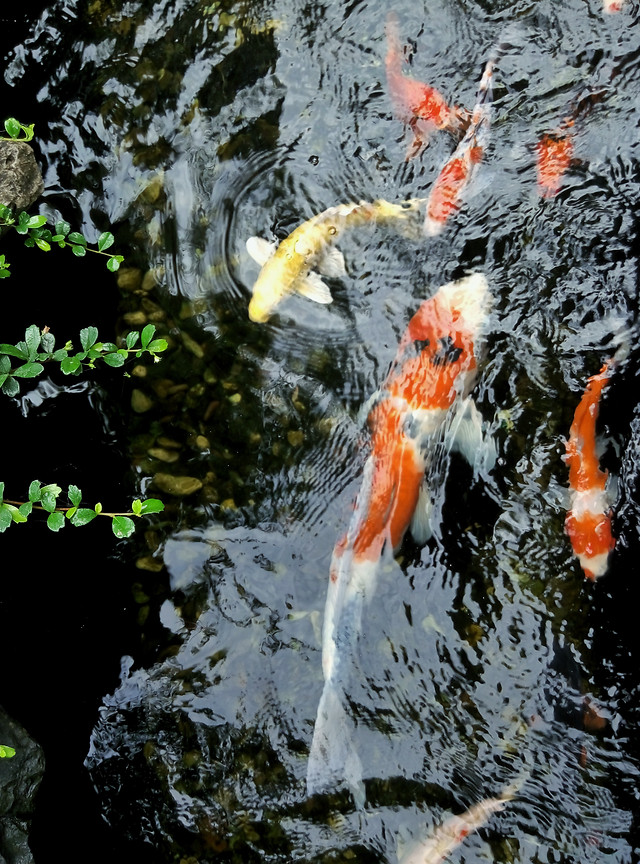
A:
(70, 365)
(48, 500)
(55, 521)
(12, 127)
(79, 251)
(122, 526)
(62, 227)
(75, 495)
(71, 512)
(36, 221)
(131, 339)
(114, 360)
(35, 491)
(83, 516)
(29, 370)
(14, 351)
(6, 752)
(136, 507)
(11, 387)
(76, 237)
(32, 340)
(1, 491)
(105, 241)
(157, 345)
(26, 508)
(5, 518)
(114, 262)
(98, 508)
(152, 505)
(47, 342)
(147, 334)
(16, 515)
(88, 337)
(42, 244)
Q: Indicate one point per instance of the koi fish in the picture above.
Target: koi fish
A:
(588, 521)
(288, 267)
(456, 829)
(611, 6)
(424, 393)
(554, 155)
(447, 192)
(423, 108)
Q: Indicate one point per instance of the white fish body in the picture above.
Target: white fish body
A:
(453, 831)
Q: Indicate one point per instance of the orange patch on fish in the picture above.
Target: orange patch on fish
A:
(554, 155)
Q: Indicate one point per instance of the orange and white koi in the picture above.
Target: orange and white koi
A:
(554, 155)
(588, 521)
(423, 108)
(426, 387)
(611, 6)
(456, 829)
(449, 187)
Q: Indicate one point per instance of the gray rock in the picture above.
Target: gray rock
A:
(20, 777)
(21, 182)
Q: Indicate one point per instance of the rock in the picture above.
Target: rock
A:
(178, 486)
(21, 182)
(20, 777)
(140, 402)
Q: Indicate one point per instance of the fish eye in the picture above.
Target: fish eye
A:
(333, 229)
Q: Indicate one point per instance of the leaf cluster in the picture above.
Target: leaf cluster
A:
(36, 234)
(45, 498)
(39, 347)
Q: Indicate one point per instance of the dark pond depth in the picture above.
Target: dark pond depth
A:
(191, 667)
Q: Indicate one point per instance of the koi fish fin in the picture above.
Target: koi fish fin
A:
(471, 441)
(333, 761)
(260, 249)
(332, 263)
(313, 288)
(421, 522)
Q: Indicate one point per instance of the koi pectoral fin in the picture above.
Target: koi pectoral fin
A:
(333, 761)
(313, 288)
(470, 439)
(260, 249)
(422, 520)
(331, 263)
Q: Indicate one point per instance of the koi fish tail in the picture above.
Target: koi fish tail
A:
(333, 761)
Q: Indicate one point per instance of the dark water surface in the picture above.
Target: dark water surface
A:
(189, 127)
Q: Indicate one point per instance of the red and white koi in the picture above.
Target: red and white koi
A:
(456, 829)
(448, 190)
(612, 6)
(426, 387)
(554, 155)
(588, 521)
(423, 108)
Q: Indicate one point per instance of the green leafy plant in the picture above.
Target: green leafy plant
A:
(6, 752)
(39, 347)
(17, 131)
(36, 234)
(45, 499)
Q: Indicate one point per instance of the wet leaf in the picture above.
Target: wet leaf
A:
(122, 526)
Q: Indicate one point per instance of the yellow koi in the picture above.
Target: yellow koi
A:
(295, 264)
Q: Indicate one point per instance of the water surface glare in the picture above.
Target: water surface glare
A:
(485, 656)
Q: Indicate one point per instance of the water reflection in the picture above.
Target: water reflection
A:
(197, 125)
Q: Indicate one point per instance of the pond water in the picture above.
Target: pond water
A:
(485, 656)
